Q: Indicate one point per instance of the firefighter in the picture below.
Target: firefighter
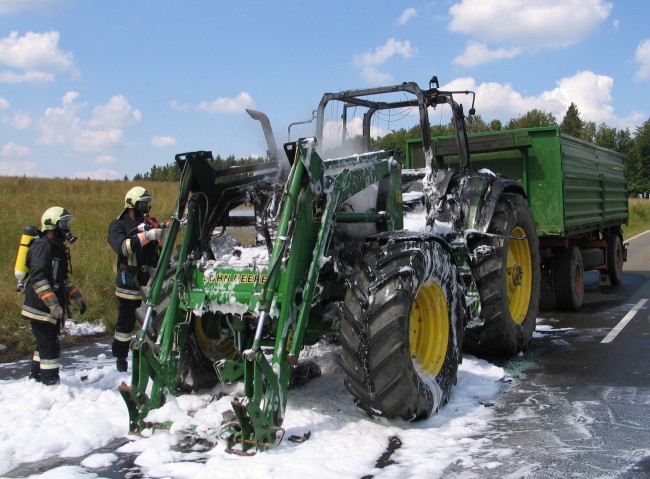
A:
(134, 236)
(48, 292)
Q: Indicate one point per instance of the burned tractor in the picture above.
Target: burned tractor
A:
(333, 258)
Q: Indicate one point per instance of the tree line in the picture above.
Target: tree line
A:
(635, 149)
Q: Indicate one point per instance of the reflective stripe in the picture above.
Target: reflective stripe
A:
(36, 357)
(47, 295)
(37, 315)
(41, 286)
(73, 291)
(50, 363)
(123, 337)
(128, 294)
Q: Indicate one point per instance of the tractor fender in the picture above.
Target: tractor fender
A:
(479, 197)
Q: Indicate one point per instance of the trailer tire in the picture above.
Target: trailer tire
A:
(615, 258)
(508, 281)
(402, 328)
(568, 278)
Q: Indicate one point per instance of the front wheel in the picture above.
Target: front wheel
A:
(402, 330)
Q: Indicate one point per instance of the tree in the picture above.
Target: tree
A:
(571, 123)
(588, 132)
(532, 119)
(606, 137)
(639, 169)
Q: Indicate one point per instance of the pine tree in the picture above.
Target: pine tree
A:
(571, 123)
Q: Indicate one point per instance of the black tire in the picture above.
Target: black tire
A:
(404, 300)
(615, 258)
(509, 293)
(568, 278)
(194, 370)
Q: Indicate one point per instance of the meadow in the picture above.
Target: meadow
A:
(95, 204)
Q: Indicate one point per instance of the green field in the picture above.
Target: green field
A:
(94, 204)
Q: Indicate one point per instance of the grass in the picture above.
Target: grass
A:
(94, 204)
(639, 217)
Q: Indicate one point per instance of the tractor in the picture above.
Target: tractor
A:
(404, 268)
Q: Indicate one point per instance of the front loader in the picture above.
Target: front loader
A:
(332, 258)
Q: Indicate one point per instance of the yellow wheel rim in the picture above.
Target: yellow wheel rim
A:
(429, 328)
(213, 349)
(519, 279)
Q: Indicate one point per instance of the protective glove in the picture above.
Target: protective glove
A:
(150, 235)
(76, 295)
(50, 300)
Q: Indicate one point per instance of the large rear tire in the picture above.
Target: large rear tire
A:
(508, 281)
(402, 330)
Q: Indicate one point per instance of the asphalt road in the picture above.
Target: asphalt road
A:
(579, 404)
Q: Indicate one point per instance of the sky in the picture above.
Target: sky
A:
(106, 89)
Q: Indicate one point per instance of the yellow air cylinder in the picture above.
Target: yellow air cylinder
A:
(20, 268)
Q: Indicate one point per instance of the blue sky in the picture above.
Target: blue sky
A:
(103, 89)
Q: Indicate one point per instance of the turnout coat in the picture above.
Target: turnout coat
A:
(133, 260)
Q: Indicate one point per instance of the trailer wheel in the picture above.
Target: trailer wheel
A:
(614, 258)
(508, 279)
(402, 330)
(568, 278)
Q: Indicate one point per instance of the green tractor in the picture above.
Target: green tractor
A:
(333, 258)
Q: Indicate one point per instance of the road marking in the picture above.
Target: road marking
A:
(623, 322)
(636, 236)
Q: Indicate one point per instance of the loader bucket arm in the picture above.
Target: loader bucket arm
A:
(312, 179)
(203, 189)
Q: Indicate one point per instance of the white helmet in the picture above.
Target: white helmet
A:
(135, 194)
(56, 217)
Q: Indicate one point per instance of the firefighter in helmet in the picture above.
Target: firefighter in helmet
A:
(134, 236)
(48, 292)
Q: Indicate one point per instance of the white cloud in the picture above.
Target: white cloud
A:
(590, 91)
(477, 53)
(14, 151)
(4, 104)
(104, 160)
(16, 6)
(163, 141)
(528, 24)
(64, 125)
(16, 161)
(117, 112)
(369, 62)
(406, 15)
(34, 58)
(100, 174)
(228, 105)
(642, 56)
(18, 168)
(178, 105)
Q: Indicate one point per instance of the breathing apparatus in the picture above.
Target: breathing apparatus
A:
(20, 268)
(55, 219)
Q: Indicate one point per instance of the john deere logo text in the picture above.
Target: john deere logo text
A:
(238, 278)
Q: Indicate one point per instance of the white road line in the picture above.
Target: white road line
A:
(636, 236)
(623, 322)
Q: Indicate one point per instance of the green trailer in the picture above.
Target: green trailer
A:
(576, 190)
